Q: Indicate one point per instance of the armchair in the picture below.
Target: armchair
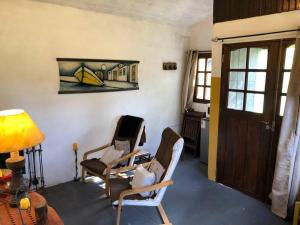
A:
(168, 155)
(129, 128)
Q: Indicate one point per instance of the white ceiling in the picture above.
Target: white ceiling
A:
(174, 12)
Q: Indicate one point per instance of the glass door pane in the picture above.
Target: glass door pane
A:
(256, 81)
(235, 100)
(285, 82)
(258, 58)
(237, 80)
(255, 103)
(289, 56)
(238, 58)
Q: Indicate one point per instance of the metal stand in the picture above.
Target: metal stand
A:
(75, 149)
(17, 181)
(35, 168)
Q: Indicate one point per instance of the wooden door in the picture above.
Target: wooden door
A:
(287, 49)
(247, 115)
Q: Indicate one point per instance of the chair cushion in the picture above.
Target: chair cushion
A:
(117, 185)
(142, 177)
(165, 149)
(94, 165)
(110, 155)
(157, 169)
(123, 146)
(128, 128)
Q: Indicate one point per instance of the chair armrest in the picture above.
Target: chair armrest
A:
(124, 158)
(129, 168)
(85, 155)
(145, 189)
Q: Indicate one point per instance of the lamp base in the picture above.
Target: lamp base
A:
(17, 181)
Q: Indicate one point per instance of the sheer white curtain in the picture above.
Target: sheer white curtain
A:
(287, 171)
(188, 82)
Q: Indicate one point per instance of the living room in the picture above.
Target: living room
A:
(82, 72)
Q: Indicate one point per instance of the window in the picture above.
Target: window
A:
(247, 79)
(203, 78)
(288, 56)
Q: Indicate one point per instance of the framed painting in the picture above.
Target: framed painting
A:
(97, 75)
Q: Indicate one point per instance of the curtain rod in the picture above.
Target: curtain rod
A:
(195, 50)
(216, 39)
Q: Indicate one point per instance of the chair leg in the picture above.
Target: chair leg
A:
(107, 189)
(83, 175)
(163, 215)
(119, 210)
(107, 186)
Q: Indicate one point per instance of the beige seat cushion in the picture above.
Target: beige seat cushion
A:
(157, 169)
(110, 155)
(142, 178)
(123, 146)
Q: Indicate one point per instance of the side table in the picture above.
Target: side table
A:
(142, 157)
(11, 216)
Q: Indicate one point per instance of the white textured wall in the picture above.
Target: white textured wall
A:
(201, 35)
(33, 35)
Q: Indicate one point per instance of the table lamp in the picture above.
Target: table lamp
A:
(17, 132)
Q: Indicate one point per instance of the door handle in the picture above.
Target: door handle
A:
(269, 125)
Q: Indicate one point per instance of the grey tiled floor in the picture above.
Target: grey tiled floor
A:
(192, 200)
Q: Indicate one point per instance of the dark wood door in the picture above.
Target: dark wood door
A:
(286, 55)
(247, 115)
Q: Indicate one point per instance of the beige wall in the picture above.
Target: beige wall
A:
(200, 39)
(33, 35)
(263, 24)
(201, 34)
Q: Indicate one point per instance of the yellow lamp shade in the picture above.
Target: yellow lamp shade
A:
(18, 131)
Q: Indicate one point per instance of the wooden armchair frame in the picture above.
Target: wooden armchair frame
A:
(133, 191)
(103, 171)
(105, 177)
(169, 150)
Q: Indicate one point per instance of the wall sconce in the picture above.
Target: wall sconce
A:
(169, 66)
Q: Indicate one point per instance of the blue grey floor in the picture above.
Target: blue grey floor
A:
(192, 200)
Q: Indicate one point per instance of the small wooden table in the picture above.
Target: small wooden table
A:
(11, 216)
(5, 175)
